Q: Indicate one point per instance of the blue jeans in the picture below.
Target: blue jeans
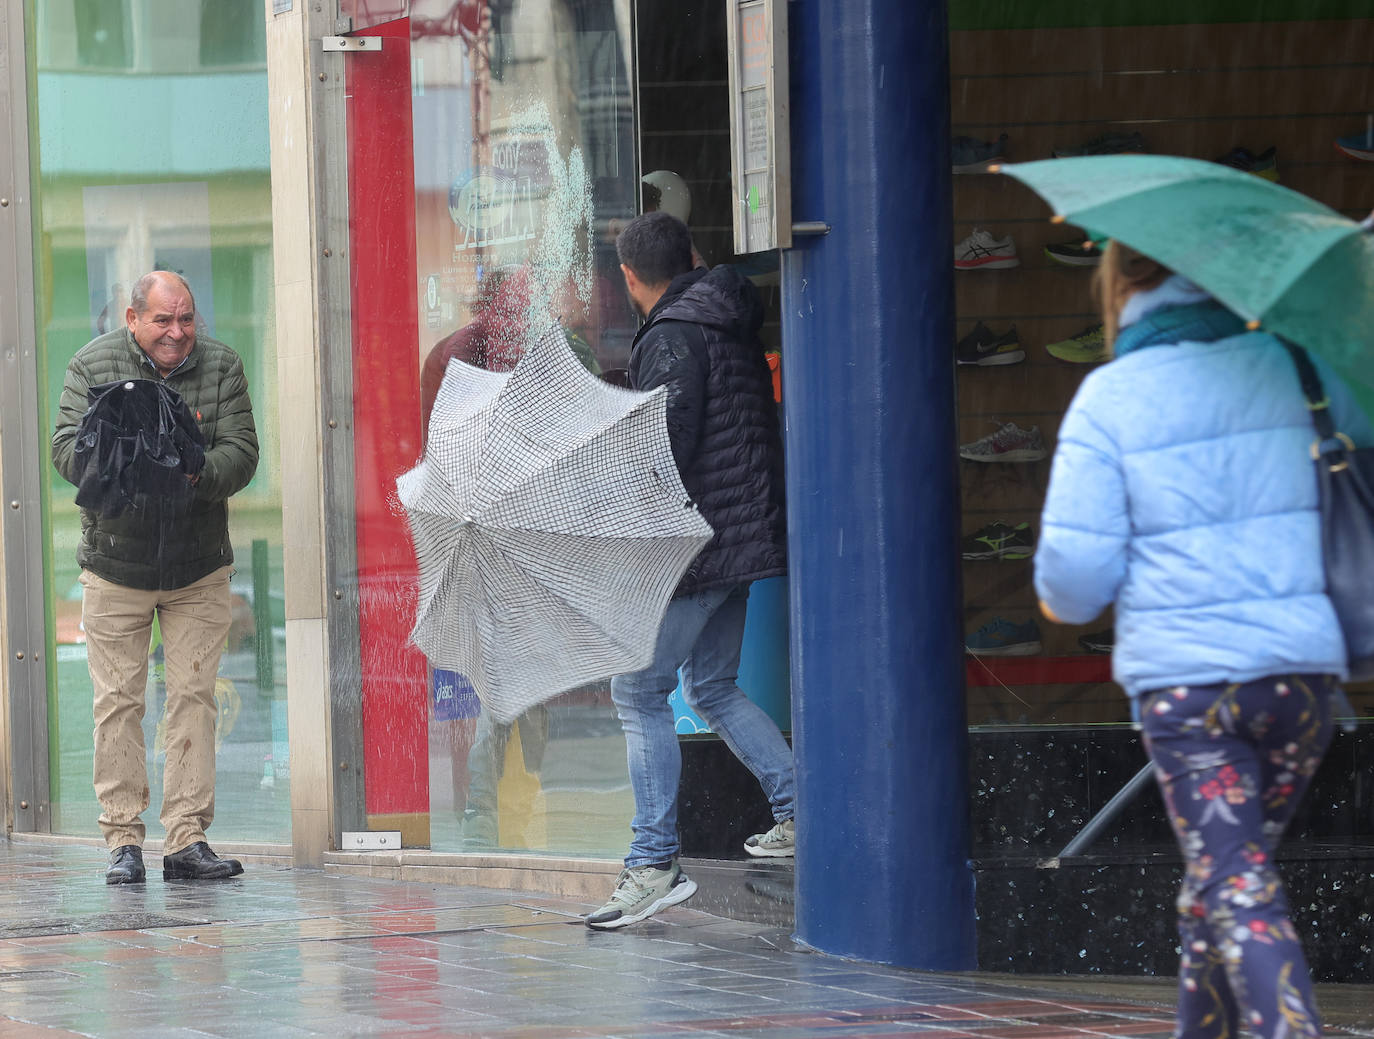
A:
(701, 634)
(1233, 762)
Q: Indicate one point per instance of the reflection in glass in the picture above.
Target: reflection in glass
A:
(110, 208)
(524, 170)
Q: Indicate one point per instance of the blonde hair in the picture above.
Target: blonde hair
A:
(1122, 273)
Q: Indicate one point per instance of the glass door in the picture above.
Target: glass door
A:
(491, 162)
(149, 146)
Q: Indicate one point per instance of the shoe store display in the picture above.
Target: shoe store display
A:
(779, 842)
(1265, 164)
(199, 862)
(1098, 641)
(1109, 143)
(971, 155)
(984, 347)
(126, 866)
(1077, 253)
(1087, 347)
(640, 892)
(981, 251)
(999, 540)
(1000, 637)
(1010, 443)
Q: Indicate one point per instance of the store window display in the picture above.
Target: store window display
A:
(1059, 775)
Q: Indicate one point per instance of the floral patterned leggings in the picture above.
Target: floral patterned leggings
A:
(1233, 762)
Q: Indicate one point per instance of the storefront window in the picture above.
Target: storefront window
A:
(1030, 82)
(495, 143)
(144, 159)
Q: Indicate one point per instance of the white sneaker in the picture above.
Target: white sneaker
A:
(779, 842)
(981, 251)
(640, 893)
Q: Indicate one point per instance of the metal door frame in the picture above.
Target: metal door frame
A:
(22, 451)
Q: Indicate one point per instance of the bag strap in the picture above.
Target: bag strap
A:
(1318, 403)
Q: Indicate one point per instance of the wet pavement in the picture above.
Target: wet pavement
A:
(288, 952)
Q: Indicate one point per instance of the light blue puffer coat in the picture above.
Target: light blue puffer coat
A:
(1182, 490)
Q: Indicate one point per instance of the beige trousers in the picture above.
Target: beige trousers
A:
(194, 621)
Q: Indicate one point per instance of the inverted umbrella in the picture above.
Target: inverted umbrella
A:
(1282, 261)
(550, 527)
(136, 441)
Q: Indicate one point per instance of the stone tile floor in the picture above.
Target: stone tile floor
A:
(284, 952)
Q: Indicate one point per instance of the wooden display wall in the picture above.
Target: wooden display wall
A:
(1195, 90)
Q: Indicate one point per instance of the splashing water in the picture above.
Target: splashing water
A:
(560, 262)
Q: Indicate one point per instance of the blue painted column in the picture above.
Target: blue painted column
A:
(868, 332)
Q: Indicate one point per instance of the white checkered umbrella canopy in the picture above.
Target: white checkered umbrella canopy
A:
(550, 527)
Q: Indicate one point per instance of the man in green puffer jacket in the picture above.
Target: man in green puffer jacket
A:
(165, 559)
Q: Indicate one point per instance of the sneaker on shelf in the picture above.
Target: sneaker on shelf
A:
(1265, 164)
(1000, 637)
(971, 155)
(779, 842)
(1098, 641)
(1077, 253)
(1358, 145)
(640, 892)
(1088, 347)
(982, 346)
(981, 251)
(1110, 143)
(999, 540)
(1010, 443)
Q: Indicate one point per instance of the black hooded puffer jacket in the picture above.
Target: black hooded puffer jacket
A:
(701, 342)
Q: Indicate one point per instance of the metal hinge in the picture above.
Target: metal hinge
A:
(351, 43)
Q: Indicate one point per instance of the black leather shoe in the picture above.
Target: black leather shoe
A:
(126, 866)
(198, 862)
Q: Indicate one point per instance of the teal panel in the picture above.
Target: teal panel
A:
(207, 123)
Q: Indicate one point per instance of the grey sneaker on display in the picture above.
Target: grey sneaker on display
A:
(1010, 443)
(779, 842)
(640, 893)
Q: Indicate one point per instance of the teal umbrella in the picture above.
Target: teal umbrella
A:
(1282, 261)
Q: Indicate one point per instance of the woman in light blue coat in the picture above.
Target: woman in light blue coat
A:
(1183, 493)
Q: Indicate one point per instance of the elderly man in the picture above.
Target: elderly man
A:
(165, 558)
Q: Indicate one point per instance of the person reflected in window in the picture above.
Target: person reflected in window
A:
(511, 311)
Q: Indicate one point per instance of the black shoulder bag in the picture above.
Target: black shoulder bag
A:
(1345, 485)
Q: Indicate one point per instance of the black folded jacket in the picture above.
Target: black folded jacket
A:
(137, 439)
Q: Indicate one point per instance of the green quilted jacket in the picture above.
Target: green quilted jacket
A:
(159, 545)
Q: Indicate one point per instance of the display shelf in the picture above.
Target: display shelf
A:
(1023, 671)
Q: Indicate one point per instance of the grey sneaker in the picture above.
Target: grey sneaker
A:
(777, 843)
(1010, 443)
(640, 893)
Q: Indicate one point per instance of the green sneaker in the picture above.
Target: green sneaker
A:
(777, 843)
(640, 893)
(1088, 347)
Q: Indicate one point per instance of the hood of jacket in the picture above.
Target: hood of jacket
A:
(720, 298)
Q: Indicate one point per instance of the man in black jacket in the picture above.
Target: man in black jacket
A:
(700, 342)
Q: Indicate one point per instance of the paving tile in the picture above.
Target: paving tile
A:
(281, 954)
